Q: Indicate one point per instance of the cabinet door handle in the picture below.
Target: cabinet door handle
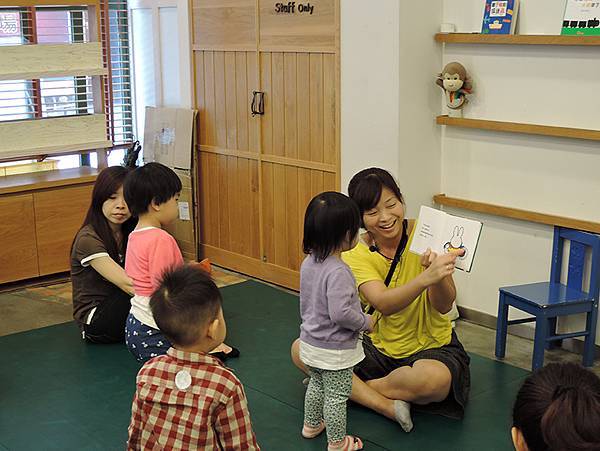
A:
(258, 103)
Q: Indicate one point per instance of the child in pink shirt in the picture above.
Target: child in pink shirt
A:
(151, 192)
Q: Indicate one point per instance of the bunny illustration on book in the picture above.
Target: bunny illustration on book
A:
(456, 242)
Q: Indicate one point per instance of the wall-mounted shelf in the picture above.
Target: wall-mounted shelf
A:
(517, 127)
(515, 213)
(519, 39)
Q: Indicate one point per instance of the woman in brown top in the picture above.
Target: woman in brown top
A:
(101, 288)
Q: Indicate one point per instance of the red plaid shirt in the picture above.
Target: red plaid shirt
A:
(187, 400)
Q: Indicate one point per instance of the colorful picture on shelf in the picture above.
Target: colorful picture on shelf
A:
(582, 18)
(500, 17)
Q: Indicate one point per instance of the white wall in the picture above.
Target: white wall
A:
(161, 57)
(388, 97)
(419, 171)
(548, 85)
(370, 99)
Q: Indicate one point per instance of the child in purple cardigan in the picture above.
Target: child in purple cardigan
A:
(331, 317)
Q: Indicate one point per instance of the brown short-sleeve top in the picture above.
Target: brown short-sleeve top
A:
(89, 287)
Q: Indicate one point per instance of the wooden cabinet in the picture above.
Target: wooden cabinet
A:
(39, 216)
(58, 216)
(18, 259)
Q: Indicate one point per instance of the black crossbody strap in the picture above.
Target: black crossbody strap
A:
(397, 256)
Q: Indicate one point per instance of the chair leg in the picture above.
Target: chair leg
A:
(552, 331)
(501, 326)
(589, 349)
(539, 342)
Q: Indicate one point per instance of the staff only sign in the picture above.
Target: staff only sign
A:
(292, 8)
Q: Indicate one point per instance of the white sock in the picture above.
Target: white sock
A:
(402, 414)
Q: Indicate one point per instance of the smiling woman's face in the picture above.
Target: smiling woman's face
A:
(384, 221)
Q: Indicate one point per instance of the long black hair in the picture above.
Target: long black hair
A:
(330, 219)
(558, 409)
(108, 183)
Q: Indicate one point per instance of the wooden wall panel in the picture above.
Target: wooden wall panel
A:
(220, 100)
(329, 109)
(24, 62)
(58, 216)
(224, 85)
(287, 190)
(18, 259)
(300, 112)
(316, 107)
(229, 203)
(303, 105)
(290, 115)
(296, 30)
(259, 173)
(278, 103)
(224, 24)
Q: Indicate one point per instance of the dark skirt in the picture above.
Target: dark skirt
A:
(376, 365)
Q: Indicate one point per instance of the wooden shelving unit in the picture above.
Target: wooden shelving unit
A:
(515, 213)
(51, 60)
(518, 39)
(516, 127)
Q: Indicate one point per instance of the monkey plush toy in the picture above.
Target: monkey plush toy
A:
(456, 85)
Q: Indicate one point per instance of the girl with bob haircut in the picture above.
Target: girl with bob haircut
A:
(331, 317)
(558, 409)
(101, 288)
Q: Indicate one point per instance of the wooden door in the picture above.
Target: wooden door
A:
(257, 173)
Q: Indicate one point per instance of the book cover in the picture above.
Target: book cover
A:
(444, 233)
(582, 18)
(500, 17)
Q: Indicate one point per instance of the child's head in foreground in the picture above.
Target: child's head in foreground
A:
(187, 308)
(558, 409)
(153, 188)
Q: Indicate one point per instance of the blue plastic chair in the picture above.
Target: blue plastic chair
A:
(548, 300)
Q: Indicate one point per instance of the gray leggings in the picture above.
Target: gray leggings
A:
(326, 398)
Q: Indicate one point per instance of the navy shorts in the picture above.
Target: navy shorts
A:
(143, 341)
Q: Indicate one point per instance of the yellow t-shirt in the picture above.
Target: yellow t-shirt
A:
(417, 327)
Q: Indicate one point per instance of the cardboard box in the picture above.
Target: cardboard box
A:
(169, 139)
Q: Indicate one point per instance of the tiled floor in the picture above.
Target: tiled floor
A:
(39, 306)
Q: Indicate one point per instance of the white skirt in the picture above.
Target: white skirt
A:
(331, 359)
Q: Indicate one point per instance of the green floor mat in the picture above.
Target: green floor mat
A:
(57, 392)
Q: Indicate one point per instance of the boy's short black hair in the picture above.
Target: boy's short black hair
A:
(186, 300)
(330, 219)
(366, 186)
(151, 182)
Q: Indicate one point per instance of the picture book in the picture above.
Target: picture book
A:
(582, 17)
(500, 16)
(444, 233)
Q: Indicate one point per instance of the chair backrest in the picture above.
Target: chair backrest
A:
(580, 242)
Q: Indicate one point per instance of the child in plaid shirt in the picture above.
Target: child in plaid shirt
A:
(187, 399)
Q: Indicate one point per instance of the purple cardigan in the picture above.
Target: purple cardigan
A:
(329, 305)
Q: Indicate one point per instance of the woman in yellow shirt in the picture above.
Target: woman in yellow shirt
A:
(412, 356)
